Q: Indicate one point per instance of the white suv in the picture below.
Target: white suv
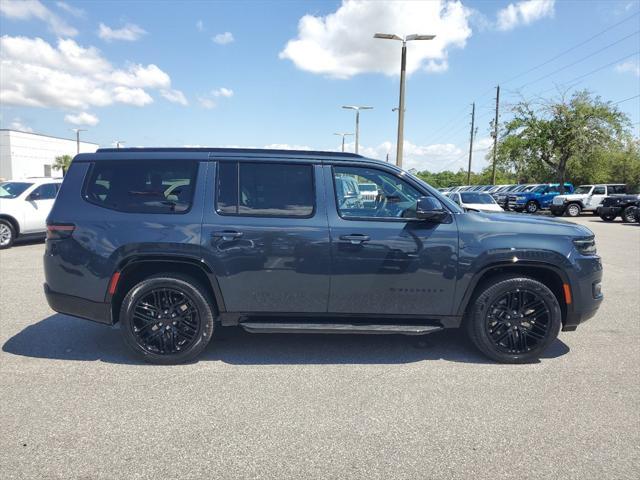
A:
(585, 198)
(24, 207)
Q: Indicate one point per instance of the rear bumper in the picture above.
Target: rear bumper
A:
(79, 307)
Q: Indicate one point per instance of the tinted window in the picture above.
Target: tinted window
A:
(617, 189)
(142, 186)
(395, 198)
(47, 191)
(13, 189)
(480, 198)
(599, 191)
(265, 189)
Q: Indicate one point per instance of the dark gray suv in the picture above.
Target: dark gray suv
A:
(171, 243)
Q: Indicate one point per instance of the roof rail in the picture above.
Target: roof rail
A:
(233, 151)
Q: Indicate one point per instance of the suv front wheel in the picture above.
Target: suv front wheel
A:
(513, 319)
(573, 210)
(532, 207)
(167, 319)
(629, 214)
(7, 234)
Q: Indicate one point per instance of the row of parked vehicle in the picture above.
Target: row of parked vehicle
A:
(609, 201)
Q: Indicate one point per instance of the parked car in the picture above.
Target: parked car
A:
(624, 206)
(239, 249)
(24, 206)
(586, 198)
(537, 198)
(368, 192)
(502, 197)
(477, 201)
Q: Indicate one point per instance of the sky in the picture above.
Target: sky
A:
(275, 73)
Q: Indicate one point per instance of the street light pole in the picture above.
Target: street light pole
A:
(343, 135)
(403, 68)
(357, 108)
(78, 130)
(118, 143)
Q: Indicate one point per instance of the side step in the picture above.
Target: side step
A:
(374, 329)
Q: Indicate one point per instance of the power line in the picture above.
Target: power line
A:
(571, 49)
(580, 60)
(625, 100)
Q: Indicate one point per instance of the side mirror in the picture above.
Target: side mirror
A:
(430, 209)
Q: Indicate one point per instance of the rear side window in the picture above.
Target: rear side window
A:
(142, 186)
(265, 189)
(617, 189)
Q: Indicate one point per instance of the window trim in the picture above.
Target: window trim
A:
(370, 219)
(194, 179)
(256, 215)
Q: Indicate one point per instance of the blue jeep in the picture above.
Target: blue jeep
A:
(538, 198)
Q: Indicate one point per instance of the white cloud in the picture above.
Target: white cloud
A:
(223, 38)
(341, 44)
(630, 66)
(222, 92)
(82, 118)
(71, 10)
(67, 75)
(206, 103)
(286, 146)
(524, 13)
(129, 33)
(30, 9)
(200, 25)
(175, 96)
(17, 124)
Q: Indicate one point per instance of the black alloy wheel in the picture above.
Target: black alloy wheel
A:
(167, 319)
(513, 318)
(517, 321)
(629, 214)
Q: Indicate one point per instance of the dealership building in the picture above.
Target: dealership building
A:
(24, 154)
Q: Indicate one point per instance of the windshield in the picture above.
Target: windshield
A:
(13, 189)
(528, 188)
(540, 189)
(473, 197)
(368, 187)
(583, 189)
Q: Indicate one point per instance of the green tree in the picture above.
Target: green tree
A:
(541, 139)
(63, 162)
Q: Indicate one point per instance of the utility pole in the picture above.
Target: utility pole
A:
(495, 135)
(471, 135)
(78, 130)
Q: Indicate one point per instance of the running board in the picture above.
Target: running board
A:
(288, 327)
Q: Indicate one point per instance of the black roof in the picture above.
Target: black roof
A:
(233, 151)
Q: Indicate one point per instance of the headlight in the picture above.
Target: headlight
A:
(586, 246)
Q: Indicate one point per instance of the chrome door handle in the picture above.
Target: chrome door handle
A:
(227, 235)
(355, 239)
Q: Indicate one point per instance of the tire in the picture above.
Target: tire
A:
(532, 207)
(7, 234)
(486, 319)
(629, 214)
(183, 323)
(573, 210)
(608, 218)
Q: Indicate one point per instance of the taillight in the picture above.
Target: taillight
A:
(57, 231)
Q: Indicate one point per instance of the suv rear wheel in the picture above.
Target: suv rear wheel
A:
(629, 214)
(167, 319)
(7, 234)
(513, 319)
(573, 209)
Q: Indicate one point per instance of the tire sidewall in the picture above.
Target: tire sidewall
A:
(629, 215)
(477, 317)
(12, 233)
(531, 207)
(196, 294)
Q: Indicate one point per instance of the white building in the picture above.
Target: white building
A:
(25, 154)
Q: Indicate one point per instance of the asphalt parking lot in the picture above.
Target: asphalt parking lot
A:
(75, 404)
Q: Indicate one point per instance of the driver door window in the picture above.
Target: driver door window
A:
(392, 198)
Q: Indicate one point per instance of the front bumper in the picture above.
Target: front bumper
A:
(557, 209)
(607, 211)
(586, 293)
(78, 307)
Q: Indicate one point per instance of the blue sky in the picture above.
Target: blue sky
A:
(276, 73)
